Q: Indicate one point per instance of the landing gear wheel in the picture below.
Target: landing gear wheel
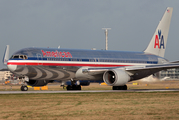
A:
(74, 87)
(115, 87)
(125, 87)
(78, 87)
(69, 87)
(120, 87)
(24, 88)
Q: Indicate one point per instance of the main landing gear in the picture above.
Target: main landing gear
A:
(120, 87)
(75, 85)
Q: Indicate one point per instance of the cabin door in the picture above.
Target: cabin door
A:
(39, 59)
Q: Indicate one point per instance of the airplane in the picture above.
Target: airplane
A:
(39, 66)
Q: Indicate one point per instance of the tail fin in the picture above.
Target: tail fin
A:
(158, 42)
(6, 55)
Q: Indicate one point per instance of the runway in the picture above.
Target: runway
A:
(88, 91)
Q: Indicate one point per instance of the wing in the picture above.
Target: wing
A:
(138, 72)
(135, 72)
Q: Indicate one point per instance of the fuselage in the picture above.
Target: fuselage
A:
(62, 64)
(39, 66)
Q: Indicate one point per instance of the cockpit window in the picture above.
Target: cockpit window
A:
(15, 56)
(25, 57)
(19, 56)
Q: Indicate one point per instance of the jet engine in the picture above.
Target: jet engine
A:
(116, 77)
(38, 82)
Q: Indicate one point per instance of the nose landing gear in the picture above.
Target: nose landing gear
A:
(23, 80)
(24, 88)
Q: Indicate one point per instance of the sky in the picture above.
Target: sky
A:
(78, 24)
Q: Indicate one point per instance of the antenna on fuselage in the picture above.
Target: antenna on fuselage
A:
(106, 34)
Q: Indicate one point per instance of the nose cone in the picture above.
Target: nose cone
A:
(12, 67)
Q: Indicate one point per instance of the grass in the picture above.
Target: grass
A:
(158, 105)
(92, 106)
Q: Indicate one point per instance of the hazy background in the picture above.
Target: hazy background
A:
(78, 24)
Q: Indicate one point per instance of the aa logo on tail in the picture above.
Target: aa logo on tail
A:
(159, 40)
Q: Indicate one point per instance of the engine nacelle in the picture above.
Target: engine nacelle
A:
(116, 77)
(38, 83)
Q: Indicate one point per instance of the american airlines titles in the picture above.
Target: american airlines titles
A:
(56, 54)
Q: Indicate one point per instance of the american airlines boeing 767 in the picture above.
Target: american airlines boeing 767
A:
(42, 65)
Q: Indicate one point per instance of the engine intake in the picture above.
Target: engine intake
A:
(116, 77)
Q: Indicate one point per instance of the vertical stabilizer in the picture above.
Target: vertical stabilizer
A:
(158, 42)
(6, 55)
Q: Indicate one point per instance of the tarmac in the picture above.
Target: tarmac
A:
(89, 91)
